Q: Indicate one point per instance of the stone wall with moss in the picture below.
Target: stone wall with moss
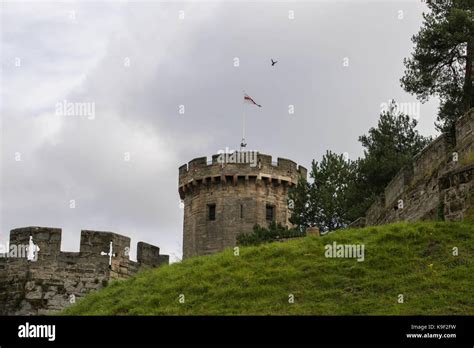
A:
(55, 279)
(438, 185)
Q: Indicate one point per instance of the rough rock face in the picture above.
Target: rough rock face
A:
(54, 279)
(226, 197)
(439, 184)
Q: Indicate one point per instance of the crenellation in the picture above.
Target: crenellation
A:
(465, 127)
(396, 186)
(200, 172)
(149, 255)
(238, 194)
(264, 160)
(431, 156)
(465, 135)
(183, 169)
(47, 239)
(286, 164)
(437, 185)
(197, 163)
(302, 171)
(56, 278)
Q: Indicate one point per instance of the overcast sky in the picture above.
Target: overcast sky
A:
(136, 63)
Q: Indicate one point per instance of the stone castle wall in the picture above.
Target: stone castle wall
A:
(438, 185)
(56, 279)
(240, 193)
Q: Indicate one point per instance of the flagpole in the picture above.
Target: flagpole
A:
(243, 144)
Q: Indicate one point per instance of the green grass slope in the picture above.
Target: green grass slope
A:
(415, 260)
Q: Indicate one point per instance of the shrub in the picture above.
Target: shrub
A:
(274, 232)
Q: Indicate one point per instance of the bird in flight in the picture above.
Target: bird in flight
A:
(273, 62)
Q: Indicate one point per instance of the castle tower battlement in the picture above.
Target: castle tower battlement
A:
(242, 166)
(230, 195)
(36, 277)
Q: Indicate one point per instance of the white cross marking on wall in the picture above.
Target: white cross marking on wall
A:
(33, 251)
(109, 254)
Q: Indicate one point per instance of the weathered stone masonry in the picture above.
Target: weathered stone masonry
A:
(238, 193)
(439, 184)
(55, 278)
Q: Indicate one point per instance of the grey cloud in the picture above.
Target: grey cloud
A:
(189, 62)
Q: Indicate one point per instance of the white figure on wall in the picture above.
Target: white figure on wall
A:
(32, 251)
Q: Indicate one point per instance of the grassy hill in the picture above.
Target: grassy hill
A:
(415, 260)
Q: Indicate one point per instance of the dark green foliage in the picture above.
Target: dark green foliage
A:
(342, 190)
(387, 148)
(441, 62)
(360, 194)
(298, 204)
(261, 235)
(322, 202)
(332, 178)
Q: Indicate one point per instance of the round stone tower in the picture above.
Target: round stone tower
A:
(232, 194)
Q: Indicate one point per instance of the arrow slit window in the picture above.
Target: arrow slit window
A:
(211, 212)
(270, 212)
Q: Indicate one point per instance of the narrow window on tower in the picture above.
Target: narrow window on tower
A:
(241, 211)
(211, 208)
(270, 212)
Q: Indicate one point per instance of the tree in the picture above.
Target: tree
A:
(342, 190)
(441, 63)
(298, 204)
(387, 148)
(327, 193)
(359, 194)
